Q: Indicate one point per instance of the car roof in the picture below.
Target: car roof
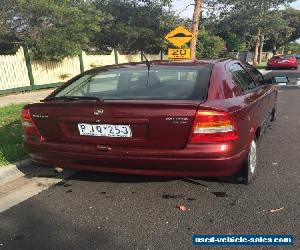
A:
(170, 63)
(282, 55)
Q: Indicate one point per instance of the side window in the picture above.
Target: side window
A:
(255, 73)
(241, 77)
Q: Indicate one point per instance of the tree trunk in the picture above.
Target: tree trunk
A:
(261, 48)
(195, 27)
(274, 50)
(256, 49)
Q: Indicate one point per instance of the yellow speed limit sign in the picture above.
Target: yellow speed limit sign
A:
(179, 54)
(179, 37)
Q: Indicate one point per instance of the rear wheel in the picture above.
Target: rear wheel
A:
(249, 170)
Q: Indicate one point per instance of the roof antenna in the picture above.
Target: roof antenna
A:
(148, 66)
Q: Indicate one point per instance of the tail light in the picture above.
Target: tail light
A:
(28, 125)
(213, 126)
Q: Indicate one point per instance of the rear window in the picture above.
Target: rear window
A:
(283, 57)
(159, 83)
(289, 56)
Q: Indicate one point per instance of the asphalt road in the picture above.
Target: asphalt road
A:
(109, 211)
(294, 75)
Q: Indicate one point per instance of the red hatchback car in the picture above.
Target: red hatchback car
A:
(283, 62)
(192, 118)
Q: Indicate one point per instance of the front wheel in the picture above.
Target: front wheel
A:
(249, 171)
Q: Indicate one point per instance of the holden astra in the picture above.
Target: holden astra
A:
(181, 118)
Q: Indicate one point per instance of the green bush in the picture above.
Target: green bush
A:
(210, 46)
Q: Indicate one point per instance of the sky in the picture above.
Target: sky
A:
(179, 6)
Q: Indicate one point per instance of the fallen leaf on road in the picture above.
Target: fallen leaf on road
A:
(273, 210)
(182, 208)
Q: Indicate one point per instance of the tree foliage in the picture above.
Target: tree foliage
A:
(292, 48)
(253, 24)
(134, 25)
(53, 29)
(210, 46)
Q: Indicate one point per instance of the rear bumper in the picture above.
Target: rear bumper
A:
(282, 65)
(213, 161)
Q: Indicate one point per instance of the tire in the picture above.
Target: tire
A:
(248, 172)
(274, 114)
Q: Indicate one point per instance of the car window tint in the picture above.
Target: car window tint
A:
(241, 77)
(166, 83)
(288, 56)
(91, 84)
(255, 73)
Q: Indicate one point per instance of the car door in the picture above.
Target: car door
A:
(267, 90)
(251, 93)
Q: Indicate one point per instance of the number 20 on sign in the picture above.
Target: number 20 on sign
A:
(179, 53)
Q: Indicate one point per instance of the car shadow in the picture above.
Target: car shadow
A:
(31, 169)
(127, 178)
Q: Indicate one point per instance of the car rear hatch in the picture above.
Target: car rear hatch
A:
(154, 104)
(283, 60)
(159, 124)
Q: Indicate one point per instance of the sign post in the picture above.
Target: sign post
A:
(179, 37)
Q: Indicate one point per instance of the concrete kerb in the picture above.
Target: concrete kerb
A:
(25, 179)
(17, 170)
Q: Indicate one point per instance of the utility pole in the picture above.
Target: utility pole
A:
(195, 27)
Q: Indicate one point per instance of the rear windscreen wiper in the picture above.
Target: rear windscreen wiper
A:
(72, 98)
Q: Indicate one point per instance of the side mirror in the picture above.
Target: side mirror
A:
(280, 80)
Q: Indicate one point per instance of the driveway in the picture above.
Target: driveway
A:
(26, 97)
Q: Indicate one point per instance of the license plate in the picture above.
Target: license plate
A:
(106, 130)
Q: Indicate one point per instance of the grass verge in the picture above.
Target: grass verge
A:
(261, 66)
(11, 141)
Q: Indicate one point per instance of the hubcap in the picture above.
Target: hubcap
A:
(252, 157)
